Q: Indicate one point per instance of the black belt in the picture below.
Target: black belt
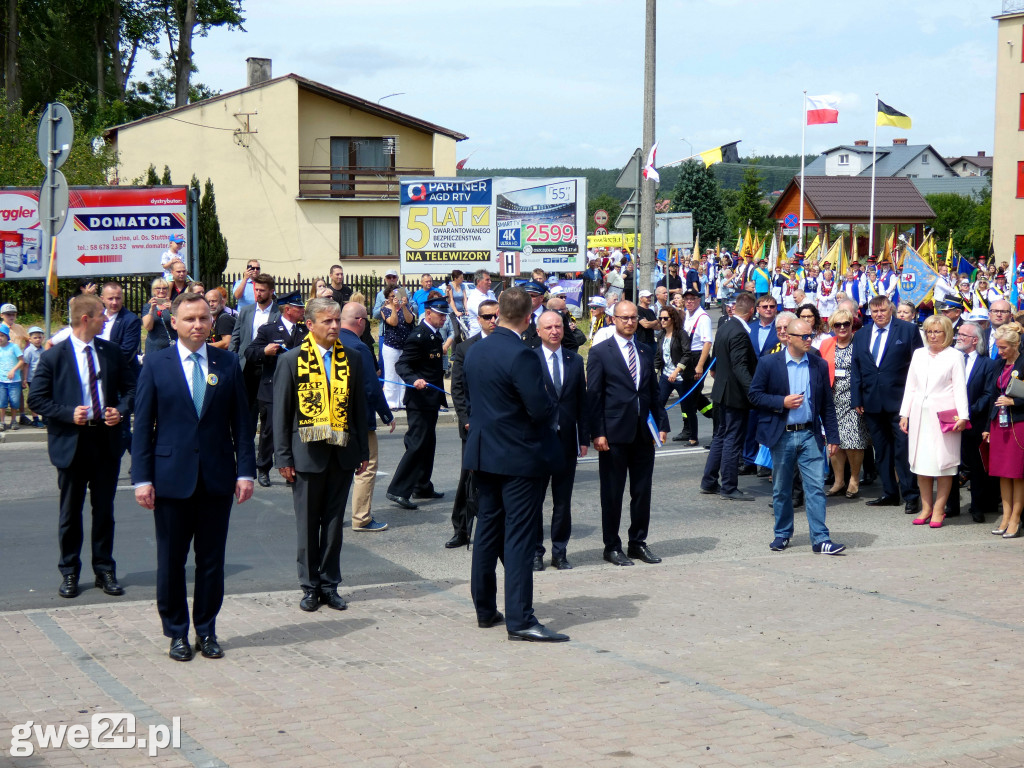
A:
(799, 427)
(93, 423)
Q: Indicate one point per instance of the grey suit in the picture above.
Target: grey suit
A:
(241, 338)
(323, 472)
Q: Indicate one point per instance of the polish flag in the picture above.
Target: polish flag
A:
(649, 170)
(822, 109)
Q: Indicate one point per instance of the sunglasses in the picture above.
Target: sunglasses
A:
(664, 319)
(803, 336)
(487, 317)
(841, 325)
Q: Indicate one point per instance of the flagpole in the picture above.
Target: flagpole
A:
(871, 215)
(803, 139)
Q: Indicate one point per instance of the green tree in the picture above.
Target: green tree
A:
(606, 202)
(968, 217)
(750, 206)
(151, 179)
(213, 248)
(698, 192)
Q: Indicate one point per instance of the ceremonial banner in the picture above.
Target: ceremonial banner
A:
(467, 223)
(917, 278)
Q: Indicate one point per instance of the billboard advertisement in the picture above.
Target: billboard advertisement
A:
(108, 231)
(472, 223)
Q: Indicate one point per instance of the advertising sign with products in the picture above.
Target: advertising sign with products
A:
(109, 231)
(472, 224)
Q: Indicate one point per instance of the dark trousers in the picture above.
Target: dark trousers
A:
(636, 459)
(319, 499)
(199, 522)
(94, 469)
(726, 447)
(750, 444)
(984, 487)
(412, 477)
(265, 454)
(561, 514)
(464, 508)
(251, 377)
(506, 530)
(891, 454)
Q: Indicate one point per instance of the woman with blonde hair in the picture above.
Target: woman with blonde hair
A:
(1005, 434)
(934, 413)
(320, 289)
(837, 351)
(157, 320)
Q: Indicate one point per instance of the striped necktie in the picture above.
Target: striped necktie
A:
(631, 351)
(94, 386)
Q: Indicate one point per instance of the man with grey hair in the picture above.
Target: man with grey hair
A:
(1000, 312)
(982, 372)
(320, 441)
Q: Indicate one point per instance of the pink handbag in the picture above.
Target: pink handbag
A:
(948, 420)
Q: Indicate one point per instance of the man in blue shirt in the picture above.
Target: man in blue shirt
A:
(420, 297)
(792, 393)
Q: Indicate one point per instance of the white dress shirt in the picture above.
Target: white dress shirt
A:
(188, 364)
(549, 358)
(624, 350)
(260, 318)
(875, 331)
(79, 347)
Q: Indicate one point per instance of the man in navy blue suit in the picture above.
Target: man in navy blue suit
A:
(764, 338)
(564, 373)
(510, 445)
(192, 451)
(793, 395)
(123, 328)
(622, 392)
(84, 390)
(982, 372)
(882, 351)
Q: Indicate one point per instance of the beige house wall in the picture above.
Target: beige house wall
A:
(1007, 210)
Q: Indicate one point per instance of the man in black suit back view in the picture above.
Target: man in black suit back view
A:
(735, 362)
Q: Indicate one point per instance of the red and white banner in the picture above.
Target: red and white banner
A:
(649, 170)
(108, 231)
(822, 109)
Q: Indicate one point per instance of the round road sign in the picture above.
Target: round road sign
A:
(601, 217)
(55, 133)
(791, 220)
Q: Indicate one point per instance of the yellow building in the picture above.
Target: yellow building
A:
(1008, 163)
(305, 175)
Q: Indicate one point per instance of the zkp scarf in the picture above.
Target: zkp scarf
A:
(323, 405)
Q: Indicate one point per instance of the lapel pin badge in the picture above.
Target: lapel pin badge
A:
(211, 379)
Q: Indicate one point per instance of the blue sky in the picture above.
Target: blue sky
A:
(560, 82)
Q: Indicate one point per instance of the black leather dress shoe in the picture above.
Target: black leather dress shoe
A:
(402, 501)
(493, 621)
(310, 600)
(331, 598)
(763, 472)
(978, 517)
(615, 557)
(642, 552)
(680, 437)
(263, 478)
(869, 478)
(537, 634)
(429, 495)
(107, 581)
(713, 489)
(912, 507)
(68, 587)
(561, 563)
(747, 469)
(736, 495)
(209, 647)
(456, 541)
(180, 649)
(538, 563)
(884, 501)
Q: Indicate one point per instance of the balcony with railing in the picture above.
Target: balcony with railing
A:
(354, 182)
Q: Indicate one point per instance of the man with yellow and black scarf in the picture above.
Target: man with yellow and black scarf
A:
(320, 442)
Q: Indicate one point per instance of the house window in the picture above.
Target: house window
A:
(844, 159)
(367, 236)
(1020, 179)
(964, 168)
(924, 159)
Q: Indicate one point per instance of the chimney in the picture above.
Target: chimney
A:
(257, 70)
(860, 143)
(899, 142)
(981, 154)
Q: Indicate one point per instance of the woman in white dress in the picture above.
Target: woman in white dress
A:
(825, 298)
(936, 383)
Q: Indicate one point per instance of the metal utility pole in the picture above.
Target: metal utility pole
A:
(647, 190)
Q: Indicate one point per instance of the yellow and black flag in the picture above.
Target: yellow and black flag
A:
(889, 116)
(727, 153)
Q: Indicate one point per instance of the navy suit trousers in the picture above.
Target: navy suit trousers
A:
(637, 460)
(892, 455)
(726, 447)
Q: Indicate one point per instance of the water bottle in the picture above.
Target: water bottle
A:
(1004, 416)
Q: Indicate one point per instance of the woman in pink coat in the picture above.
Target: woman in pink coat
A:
(936, 382)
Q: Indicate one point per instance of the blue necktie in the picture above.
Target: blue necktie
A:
(198, 383)
(877, 345)
(327, 365)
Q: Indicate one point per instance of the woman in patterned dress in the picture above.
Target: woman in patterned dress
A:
(837, 351)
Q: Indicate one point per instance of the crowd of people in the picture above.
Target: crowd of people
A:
(823, 398)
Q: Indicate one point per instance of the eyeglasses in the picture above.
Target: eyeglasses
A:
(664, 319)
(626, 318)
(806, 317)
(961, 337)
(487, 317)
(842, 325)
(803, 336)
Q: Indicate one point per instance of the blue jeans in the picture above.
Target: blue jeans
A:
(10, 394)
(801, 448)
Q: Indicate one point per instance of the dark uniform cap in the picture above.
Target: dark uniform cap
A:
(293, 299)
(438, 305)
(532, 286)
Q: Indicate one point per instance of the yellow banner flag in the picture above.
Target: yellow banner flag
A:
(51, 277)
(837, 255)
(812, 252)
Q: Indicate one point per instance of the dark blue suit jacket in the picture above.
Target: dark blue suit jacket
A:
(573, 430)
(769, 343)
(880, 388)
(376, 403)
(981, 391)
(769, 388)
(511, 410)
(614, 403)
(126, 332)
(172, 447)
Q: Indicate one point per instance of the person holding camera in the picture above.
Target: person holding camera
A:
(242, 290)
(399, 322)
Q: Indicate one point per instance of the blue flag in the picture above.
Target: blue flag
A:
(1014, 290)
(917, 278)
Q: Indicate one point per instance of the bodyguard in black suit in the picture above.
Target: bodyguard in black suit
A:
(511, 439)
(564, 373)
(882, 351)
(125, 325)
(735, 363)
(192, 452)
(622, 391)
(272, 340)
(464, 507)
(421, 364)
(320, 441)
(84, 390)
(242, 335)
(982, 372)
